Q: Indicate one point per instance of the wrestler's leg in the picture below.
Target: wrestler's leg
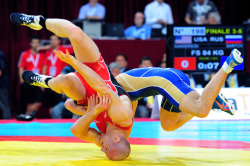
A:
(200, 106)
(171, 121)
(69, 84)
(84, 47)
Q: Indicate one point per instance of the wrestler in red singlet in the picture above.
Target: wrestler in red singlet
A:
(102, 70)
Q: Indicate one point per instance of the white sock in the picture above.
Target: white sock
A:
(227, 68)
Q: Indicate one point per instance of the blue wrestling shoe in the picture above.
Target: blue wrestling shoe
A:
(26, 20)
(35, 79)
(234, 59)
(221, 103)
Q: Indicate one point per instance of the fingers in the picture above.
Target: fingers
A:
(109, 102)
(105, 100)
(96, 99)
(89, 104)
(67, 51)
(101, 100)
(93, 100)
(61, 53)
(56, 52)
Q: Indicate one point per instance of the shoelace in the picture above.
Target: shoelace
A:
(26, 19)
(37, 78)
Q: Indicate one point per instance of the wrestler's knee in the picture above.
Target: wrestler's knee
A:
(74, 32)
(166, 127)
(202, 110)
(73, 130)
(64, 81)
(68, 104)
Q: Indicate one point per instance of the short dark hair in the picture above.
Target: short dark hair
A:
(56, 36)
(123, 55)
(35, 37)
(145, 58)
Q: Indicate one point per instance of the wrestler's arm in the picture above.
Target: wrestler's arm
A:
(81, 127)
(82, 130)
(121, 110)
(134, 105)
(75, 108)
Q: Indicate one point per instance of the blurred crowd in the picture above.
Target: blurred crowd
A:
(42, 60)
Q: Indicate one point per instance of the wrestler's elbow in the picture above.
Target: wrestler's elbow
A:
(126, 123)
(74, 130)
(126, 120)
(69, 104)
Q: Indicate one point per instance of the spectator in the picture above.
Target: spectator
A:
(164, 57)
(232, 80)
(145, 104)
(53, 67)
(158, 14)
(115, 68)
(139, 30)
(146, 62)
(199, 10)
(59, 111)
(31, 96)
(5, 112)
(122, 60)
(163, 62)
(214, 18)
(92, 10)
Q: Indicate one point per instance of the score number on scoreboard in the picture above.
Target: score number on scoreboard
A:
(205, 48)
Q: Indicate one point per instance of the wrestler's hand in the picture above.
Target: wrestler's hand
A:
(103, 104)
(65, 57)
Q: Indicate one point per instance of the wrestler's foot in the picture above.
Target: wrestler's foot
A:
(233, 60)
(35, 79)
(221, 103)
(26, 20)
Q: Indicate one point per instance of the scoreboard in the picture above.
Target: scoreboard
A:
(203, 48)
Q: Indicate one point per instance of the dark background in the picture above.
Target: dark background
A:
(14, 40)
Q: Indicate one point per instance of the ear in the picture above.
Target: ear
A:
(117, 139)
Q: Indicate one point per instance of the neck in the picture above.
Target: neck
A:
(139, 26)
(55, 48)
(159, 2)
(113, 129)
(33, 51)
(92, 4)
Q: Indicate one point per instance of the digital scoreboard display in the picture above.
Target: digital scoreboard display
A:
(203, 48)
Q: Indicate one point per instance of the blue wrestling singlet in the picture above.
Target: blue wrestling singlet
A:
(172, 84)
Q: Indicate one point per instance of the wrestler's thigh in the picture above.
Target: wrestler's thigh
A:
(73, 87)
(84, 47)
(169, 119)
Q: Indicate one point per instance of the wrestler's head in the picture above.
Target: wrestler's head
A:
(115, 146)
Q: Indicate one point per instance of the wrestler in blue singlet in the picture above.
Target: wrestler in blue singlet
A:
(172, 84)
